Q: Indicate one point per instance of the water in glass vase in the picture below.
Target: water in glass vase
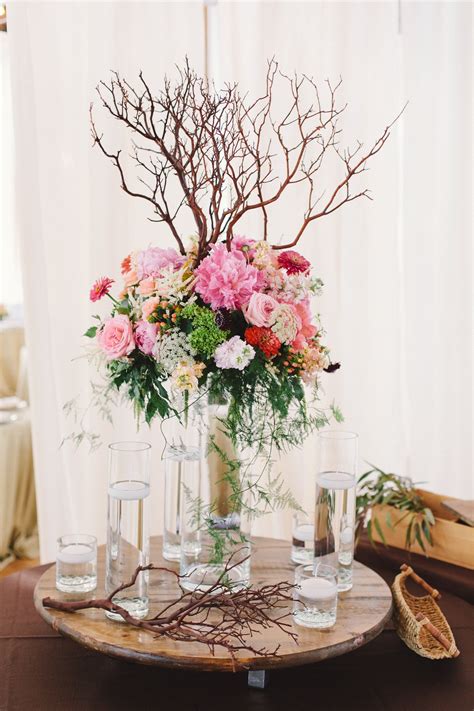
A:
(178, 461)
(128, 544)
(334, 523)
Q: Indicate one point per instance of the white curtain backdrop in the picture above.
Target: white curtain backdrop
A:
(10, 271)
(398, 271)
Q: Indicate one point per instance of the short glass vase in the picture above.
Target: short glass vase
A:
(315, 596)
(76, 563)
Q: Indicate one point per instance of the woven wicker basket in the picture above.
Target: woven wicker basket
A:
(419, 620)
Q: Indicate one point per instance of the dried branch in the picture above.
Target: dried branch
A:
(216, 617)
(221, 151)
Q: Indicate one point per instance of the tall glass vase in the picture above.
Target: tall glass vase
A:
(185, 455)
(216, 515)
(127, 525)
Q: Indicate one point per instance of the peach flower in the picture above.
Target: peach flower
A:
(147, 286)
(149, 306)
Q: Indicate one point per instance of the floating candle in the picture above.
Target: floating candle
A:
(76, 553)
(129, 490)
(317, 589)
(304, 532)
(346, 535)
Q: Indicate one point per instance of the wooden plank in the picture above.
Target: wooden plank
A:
(362, 614)
(462, 509)
(452, 542)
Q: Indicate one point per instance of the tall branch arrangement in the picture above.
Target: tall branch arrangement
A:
(229, 155)
(215, 618)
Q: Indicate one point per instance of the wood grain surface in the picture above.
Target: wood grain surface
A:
(361, 616)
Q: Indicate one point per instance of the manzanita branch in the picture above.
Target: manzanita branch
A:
(215, 617)
(227, 156)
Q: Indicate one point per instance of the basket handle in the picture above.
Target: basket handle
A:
(450, 647)
(435, 594)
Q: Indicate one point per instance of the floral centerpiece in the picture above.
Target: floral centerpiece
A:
(225, 314)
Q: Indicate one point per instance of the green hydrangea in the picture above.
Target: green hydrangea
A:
(205, 334)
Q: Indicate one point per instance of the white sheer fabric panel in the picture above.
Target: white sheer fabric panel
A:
(397, 271)
(10, 271)
(77, 225)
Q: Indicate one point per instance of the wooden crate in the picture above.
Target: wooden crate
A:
(452, 542)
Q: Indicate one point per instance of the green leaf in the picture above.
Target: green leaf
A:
(429, 516)
(418, 537)
(90, 333)
(378, 528)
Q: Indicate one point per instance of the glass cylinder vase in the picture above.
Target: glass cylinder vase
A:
(128, 538)
(216, 515)
(334, 522)
(185, 449)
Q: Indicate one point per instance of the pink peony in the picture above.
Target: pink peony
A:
(293, 262)
(260, 310)
(145, 336)
(100, 288)
(151, 261)
(226, 280)
(149, 306)
(147, 286)
(116, 337)
(307, 329)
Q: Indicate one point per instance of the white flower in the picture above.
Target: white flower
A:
(287, 323)
(172, 349)
(234, 353)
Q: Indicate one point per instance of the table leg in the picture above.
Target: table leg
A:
(258, 679)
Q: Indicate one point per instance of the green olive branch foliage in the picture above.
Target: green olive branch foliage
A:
(379, 488)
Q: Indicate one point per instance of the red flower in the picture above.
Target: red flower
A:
(100, 288)
(293, 262)
(126, 265)
(263, 338)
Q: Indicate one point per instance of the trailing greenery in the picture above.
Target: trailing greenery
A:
(376, 487)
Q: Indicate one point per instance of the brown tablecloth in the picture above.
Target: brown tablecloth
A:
(40, 670)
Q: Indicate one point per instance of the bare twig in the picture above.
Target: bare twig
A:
(216, 617)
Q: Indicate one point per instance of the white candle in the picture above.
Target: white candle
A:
(304, 532)
(129, 490)
(317, 589)
(336, 480)
(76, 553)
(346, 535)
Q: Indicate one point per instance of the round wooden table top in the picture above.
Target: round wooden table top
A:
(361, 616)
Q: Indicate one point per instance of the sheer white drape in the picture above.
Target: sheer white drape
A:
(398, 271)
(10, 272)
(76, 224)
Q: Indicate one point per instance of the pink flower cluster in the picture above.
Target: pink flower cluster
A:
(261, 298)
(225, 280)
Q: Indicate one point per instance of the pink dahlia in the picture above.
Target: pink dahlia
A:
(100, 288)
(145, 336)
(293, 262)
(151, 261)
(225, 280)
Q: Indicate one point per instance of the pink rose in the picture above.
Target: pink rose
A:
(149, 306)
(147, 286)
(260, 310)
(307, 329)
(145, 336)
(116, 337)
(151, 261)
